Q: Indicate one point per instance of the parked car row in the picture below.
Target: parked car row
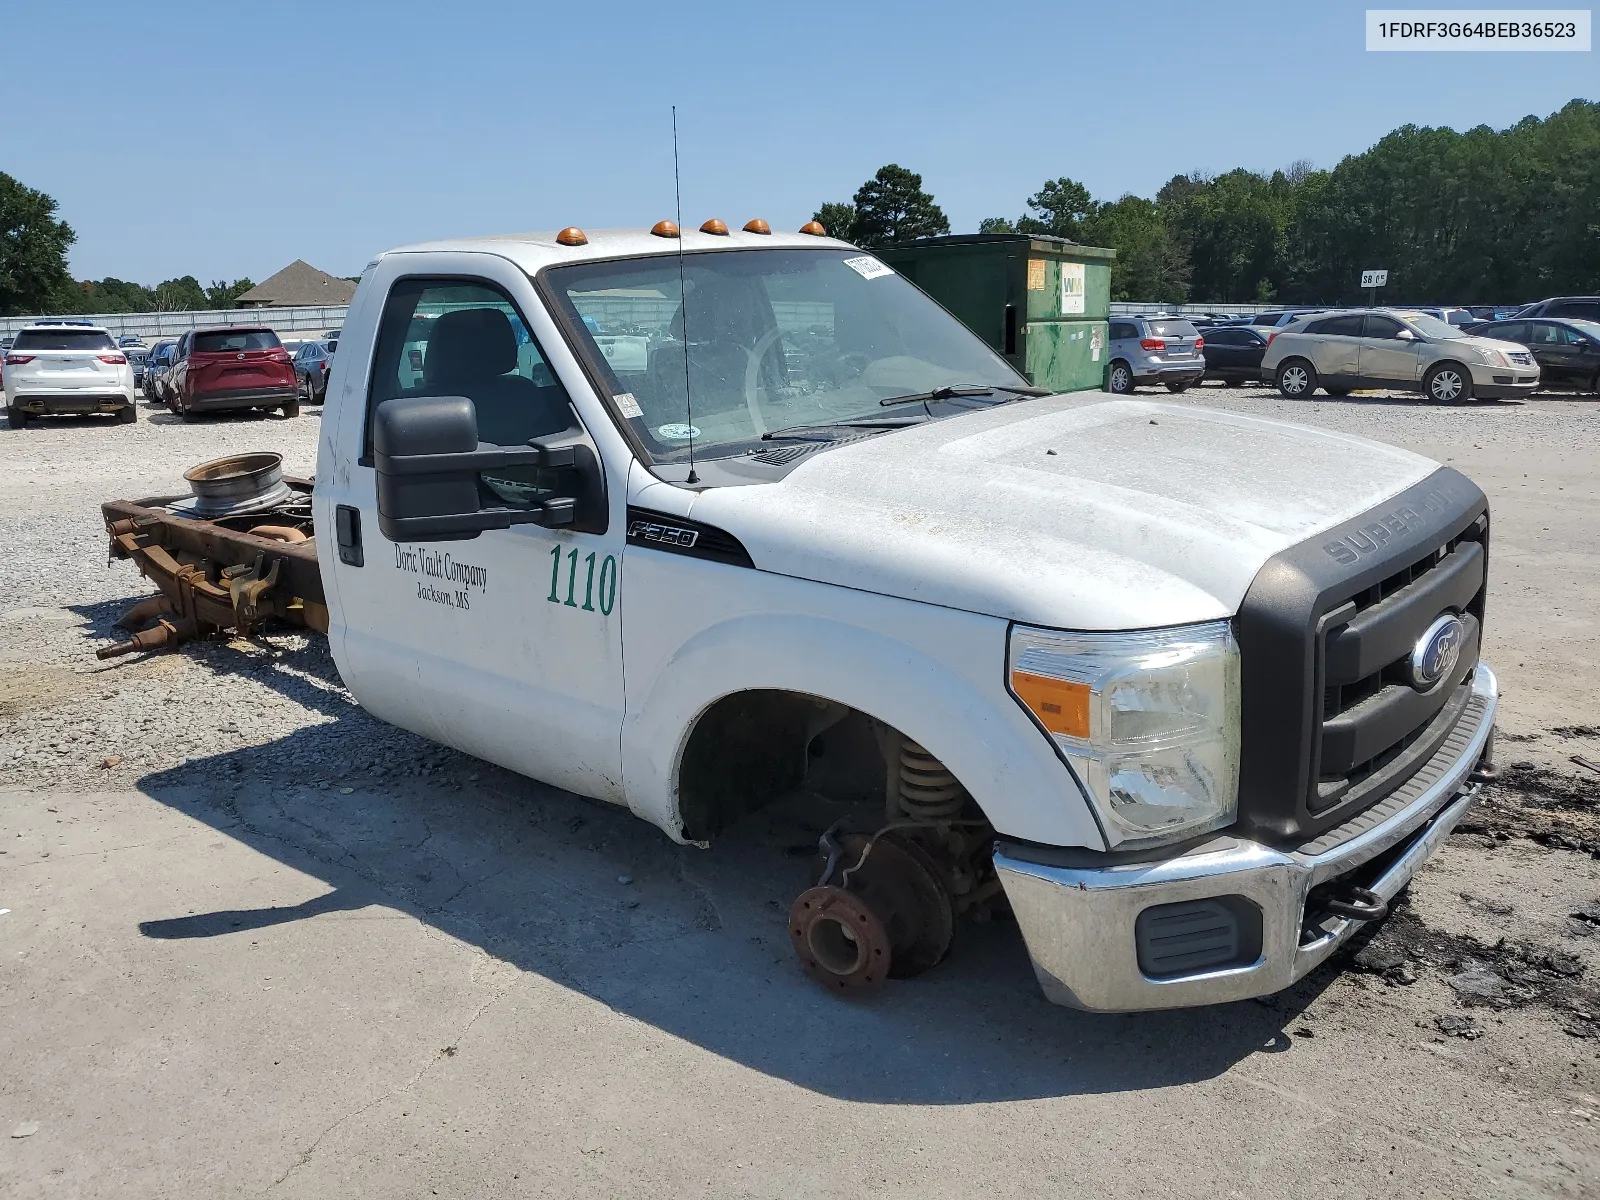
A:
(1562, 346)
(74, 367)
(1341, 350)
(1406, 349)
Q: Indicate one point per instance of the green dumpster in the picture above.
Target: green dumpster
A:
(1040, 301)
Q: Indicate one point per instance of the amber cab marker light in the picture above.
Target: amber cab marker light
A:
(1061, 705)
(715, 226)
(572, 236)
(757, 226)
(664, 229)
(814, 228)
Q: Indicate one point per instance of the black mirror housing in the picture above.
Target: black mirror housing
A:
(429, 461)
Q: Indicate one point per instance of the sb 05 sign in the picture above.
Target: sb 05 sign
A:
(1374, 279)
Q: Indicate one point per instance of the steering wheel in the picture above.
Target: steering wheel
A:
(752, 371)
(856, 362)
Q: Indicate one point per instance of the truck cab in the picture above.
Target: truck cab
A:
(687, 521)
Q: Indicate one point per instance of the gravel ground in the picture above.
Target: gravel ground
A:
(552, 989)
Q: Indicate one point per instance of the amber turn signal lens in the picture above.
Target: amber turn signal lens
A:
(572, 236)
(1061, 705)
(757, 226)
(664, 229)
(715, 226)
(814, 228)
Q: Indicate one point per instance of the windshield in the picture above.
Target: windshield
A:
(1172, 329)
(221, 341)
(776, 338)
(1430, 326)
(63, 339)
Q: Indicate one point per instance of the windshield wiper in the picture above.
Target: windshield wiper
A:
(798, 432)
(970, 389)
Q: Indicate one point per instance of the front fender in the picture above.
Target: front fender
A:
(938, 678)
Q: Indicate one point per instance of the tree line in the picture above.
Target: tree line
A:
(33, 268)
(1485, 216)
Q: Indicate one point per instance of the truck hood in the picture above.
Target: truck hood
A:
(1082, 514)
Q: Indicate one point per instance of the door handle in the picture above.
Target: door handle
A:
(347, 523)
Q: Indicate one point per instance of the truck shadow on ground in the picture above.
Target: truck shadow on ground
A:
(693, 942)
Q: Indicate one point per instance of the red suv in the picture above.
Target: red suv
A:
(217, 369)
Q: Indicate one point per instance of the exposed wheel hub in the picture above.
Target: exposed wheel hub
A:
(880, 911)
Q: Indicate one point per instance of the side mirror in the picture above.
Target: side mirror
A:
(436, 480)
(1405, 335)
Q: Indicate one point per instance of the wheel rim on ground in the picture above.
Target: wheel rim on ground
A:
(1294, 380)
(1119, 379)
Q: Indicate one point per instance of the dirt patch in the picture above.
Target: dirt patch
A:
(30, 687)
(1504, 974)
(23, 689)
(1558, 809)
(1577, 731)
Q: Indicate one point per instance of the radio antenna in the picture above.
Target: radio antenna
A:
(683, 297)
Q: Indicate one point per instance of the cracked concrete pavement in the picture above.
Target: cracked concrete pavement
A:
(297, 953)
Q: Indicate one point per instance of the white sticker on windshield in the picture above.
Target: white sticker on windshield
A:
(677, 433)
(628, 406)
(868, 267)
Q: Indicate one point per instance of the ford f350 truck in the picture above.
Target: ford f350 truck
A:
(690, 521)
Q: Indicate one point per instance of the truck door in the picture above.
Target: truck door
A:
(1390, 353)
(506, 645)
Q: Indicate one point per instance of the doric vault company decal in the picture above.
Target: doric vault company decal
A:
(443, 578)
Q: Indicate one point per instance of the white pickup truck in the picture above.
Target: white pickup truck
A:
(690, 522)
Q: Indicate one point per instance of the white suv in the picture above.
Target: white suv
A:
(66, 367)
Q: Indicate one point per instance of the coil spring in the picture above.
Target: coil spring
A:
(928, 791)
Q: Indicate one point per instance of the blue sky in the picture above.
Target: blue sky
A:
(222, 140)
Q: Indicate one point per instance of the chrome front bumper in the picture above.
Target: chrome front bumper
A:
(1079, 922)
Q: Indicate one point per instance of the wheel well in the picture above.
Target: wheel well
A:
(751, 747)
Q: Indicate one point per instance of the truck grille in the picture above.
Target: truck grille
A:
(1372, 716)
(1331, 721)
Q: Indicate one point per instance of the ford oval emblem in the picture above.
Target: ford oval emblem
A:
(1437, 651)
(241, 356)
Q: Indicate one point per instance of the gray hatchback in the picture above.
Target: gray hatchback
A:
(1164, 350)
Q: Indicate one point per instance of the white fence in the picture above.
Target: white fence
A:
(1121, 308)
(171, 324)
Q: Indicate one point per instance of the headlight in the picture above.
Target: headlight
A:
(1493, 357)
(1149, 720)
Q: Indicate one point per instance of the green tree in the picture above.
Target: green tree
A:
(838, 218)
(996, 225)
(180, 295)
(226, 295)
(1150, 265)
(1057, 209)
(112, 295)
(33, 248)
(1234, 230)
(892, 207)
